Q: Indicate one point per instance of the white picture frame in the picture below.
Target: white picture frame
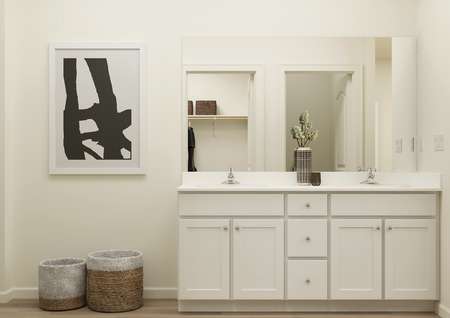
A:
(125, 69)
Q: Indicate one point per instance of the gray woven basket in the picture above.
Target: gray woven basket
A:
(115, 280)
(62, 283)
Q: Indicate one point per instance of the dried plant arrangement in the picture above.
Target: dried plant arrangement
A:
(303, 133)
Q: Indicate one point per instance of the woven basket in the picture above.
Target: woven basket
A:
(115, 280)
(62, 284)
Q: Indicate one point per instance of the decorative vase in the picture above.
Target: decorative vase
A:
(303, 157)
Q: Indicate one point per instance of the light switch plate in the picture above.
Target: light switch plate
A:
(438, 143)
(399, 145)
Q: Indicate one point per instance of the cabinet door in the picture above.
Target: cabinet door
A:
(356, 259)
(204, 247)
(410, 259)
(258, 259)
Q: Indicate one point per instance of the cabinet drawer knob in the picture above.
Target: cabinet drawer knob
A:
(377, 228)
(389, 228)
(308, 205)
(237, 228)
(308, 239)
(307, 281)
(225, 228)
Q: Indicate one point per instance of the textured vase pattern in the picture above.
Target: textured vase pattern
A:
(303, 164)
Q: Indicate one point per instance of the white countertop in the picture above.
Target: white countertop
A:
(324, 188)
(331, 182)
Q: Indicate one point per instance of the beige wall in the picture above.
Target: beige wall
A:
(434, 113)
(71, 215)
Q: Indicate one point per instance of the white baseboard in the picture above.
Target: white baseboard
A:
(32, 293)
(160, 293)
(24, 293)
(6, 296)
(443, 311)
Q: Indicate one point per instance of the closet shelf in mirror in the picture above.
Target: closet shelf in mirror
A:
(236, 117)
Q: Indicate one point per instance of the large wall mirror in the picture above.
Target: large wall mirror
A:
(333, 97)
(241, 96)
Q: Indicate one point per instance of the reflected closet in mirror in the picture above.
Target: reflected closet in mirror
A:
(220, 106)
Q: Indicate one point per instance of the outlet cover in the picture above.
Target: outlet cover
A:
(399, 145)
(438, 143)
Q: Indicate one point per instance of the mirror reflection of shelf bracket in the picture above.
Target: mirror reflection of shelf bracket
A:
(214, 118)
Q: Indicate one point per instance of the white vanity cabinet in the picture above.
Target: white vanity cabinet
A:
(242, 251)
(258, 259)
(204, 252)
(307, 237)
(307, 279)
(410, 260)
(307, 250)
(406, 242)
(356, 259)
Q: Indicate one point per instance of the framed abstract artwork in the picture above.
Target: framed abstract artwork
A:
(96, 109)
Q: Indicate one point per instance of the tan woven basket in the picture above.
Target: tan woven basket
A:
(115, 280)
(62, 284)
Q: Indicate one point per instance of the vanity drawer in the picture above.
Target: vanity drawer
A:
(384, 204)
(307, 279)
(307, 238)
(231, 204)
(307, 204)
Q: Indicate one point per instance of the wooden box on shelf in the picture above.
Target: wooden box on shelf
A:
(206, 107)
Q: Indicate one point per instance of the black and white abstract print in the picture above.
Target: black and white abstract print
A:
(96, 109)
(110, 123)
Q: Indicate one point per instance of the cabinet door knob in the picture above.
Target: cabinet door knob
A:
(225, 228)
(308, 205)
(307, 281)
(237, 228)
(308, 239)
(377, 228)
(389, 228)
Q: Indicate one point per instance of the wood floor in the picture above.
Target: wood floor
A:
(168, 309)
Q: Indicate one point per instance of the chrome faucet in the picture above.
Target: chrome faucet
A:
(370, 177)
(230, 178)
